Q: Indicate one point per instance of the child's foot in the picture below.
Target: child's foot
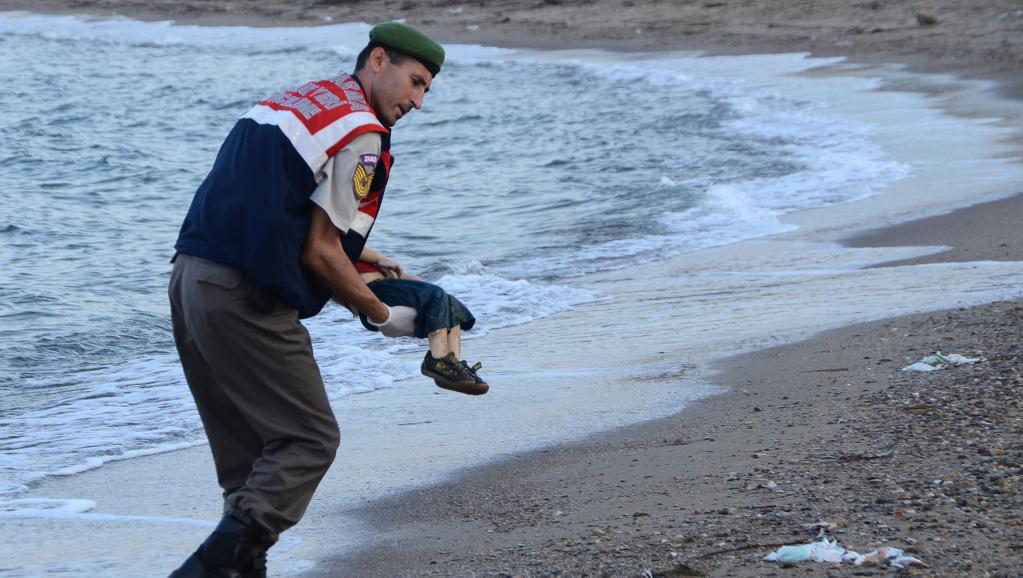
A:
(450, 373)
(472, 370)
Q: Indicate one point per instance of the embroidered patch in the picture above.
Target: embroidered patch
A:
(363, 175)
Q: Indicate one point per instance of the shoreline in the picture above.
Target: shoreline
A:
(957, 230)
(611, 506)
(610, 527)
(974, 42)
(852, 444)
(832, 420)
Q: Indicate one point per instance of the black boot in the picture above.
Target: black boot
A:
(233, 550)
(256, 568)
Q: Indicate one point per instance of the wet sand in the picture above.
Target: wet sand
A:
(927, 462)
(983, 232)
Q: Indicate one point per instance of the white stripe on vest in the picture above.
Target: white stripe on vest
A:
(312, 147)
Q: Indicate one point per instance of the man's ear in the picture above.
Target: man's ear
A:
(377, 58)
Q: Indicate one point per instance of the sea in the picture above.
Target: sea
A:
(668, 208)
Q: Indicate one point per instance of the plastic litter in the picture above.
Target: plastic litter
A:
(824, 550)
(820, 551)
(941, 361)
(895, 557)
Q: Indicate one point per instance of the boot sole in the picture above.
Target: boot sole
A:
(466, 387)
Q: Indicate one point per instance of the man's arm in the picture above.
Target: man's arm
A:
(335, 203)
(323, 255)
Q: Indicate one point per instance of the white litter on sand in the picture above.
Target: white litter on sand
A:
(824, 550)
(941, 361)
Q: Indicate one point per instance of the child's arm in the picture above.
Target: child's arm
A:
(389, 267)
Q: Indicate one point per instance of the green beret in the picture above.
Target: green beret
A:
(408, 40)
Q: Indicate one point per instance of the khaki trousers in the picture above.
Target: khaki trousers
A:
(258, 391)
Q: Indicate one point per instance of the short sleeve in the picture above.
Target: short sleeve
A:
(347, 178)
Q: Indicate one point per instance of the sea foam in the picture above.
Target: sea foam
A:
(79, 415)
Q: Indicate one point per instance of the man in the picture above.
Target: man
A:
(261, 248)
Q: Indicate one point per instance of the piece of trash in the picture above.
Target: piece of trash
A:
(770, 485)
(820, 551)
(893, 556)
(941, 361)
(831, 552)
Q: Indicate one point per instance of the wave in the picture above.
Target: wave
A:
(142, 406)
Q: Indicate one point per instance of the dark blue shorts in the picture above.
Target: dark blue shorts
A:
(436, 309)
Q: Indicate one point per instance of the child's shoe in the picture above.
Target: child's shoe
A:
(450, 373)
(473, 371)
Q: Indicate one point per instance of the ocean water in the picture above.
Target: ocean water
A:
(527, 182)
(517, 175)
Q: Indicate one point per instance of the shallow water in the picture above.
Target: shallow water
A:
(591, 199)
(519, 174)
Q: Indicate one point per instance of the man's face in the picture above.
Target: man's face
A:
(398, 88)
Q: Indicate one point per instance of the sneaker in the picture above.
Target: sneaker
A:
(473, 371)
(450, 373)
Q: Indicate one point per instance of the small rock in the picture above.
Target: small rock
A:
(926, 18)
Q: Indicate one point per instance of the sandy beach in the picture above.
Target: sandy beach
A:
(875, 456)
(975, 39)
(826, 434)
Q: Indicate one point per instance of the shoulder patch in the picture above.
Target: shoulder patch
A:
(363, 175)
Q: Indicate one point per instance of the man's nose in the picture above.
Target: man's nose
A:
(417, 98)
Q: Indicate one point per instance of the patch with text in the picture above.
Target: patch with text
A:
(363, 176)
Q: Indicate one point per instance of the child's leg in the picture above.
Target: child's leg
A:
(455, 341)
(439, 341)
(445, 341)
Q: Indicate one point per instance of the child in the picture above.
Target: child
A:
(440, 318)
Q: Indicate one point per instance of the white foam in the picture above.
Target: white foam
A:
(41, 507)
(725, 215)
(355, 360)
(143, 407)
(833, 159)
(499, 302)
(345, 39)
(77, 509)
(99, 419)
(840, 162)
(67, 516)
